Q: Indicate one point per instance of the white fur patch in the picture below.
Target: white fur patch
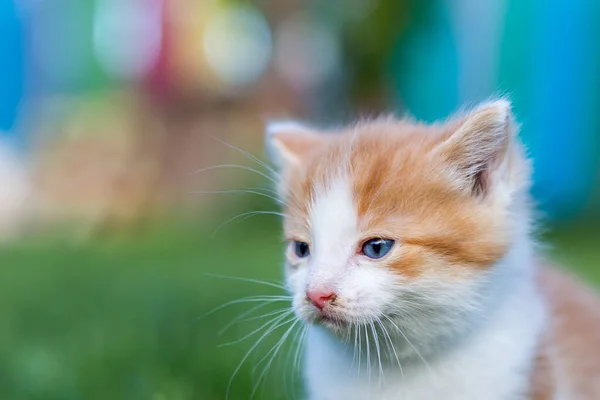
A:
(334, 226)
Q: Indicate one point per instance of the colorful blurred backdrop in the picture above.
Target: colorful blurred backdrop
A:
(129, 130)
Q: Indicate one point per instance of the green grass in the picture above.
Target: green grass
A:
(120, 318)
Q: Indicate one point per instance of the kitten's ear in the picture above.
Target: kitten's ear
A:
(480, 144)
(289, 143)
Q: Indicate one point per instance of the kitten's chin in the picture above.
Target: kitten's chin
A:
(332, 323)
(333, 320)
(336, 327)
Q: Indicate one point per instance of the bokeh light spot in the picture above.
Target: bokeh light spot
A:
(237, 45)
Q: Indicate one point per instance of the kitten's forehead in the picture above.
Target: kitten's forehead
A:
(371, 163)
(333, 217)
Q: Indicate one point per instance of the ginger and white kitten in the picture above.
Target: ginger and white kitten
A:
(410, 257)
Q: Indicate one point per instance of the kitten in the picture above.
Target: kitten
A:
(410, 256)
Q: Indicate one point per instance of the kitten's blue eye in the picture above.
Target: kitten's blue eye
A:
(377, 248)
(301, 249)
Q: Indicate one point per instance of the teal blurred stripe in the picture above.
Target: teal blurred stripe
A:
(424, 67)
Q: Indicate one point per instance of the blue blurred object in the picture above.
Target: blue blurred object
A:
(424, 67)
(12, 66)
(561, 122)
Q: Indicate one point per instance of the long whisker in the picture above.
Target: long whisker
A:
(290, 354)
(259, 162)
(270, 314)
(391, 343)
(246, 168)
(346, 338)
(249, 156)
(376, 338)
(247, 215)
(298, 356)
(368, 355)
(354, 358)
(274, 352)
(235, 166)
(410, 344)
(270, 322)
(240, 317)
(252, 280)
(273, 349)
(254, 346)
(241, 191)
(250, 299)
(265, 189)
(359, 347)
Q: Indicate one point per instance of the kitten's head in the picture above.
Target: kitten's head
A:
(392, 220)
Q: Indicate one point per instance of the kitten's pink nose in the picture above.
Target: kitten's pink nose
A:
(320, 298)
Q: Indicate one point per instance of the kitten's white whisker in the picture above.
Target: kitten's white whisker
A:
(391, 343)
(346, 338)
(251, 299)
(273, 321)
(265, 189)
(252, 280)
(274, 352)
(239, 317)
(410, 344)
(249, 156)
(241, 191)
(298, 355)
(290, 354)
(368, 355)
(275, 346)
(254, 346)
(261, 189)
(269, 314)
(275, 196)
(246, 168)
(359, 347)
(245, 216)
(235, 166)
(376, 338)
(354, 359)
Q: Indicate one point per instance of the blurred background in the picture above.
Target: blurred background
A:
(120, 119)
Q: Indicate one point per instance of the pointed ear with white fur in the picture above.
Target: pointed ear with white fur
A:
(479, 146)
(289, 143)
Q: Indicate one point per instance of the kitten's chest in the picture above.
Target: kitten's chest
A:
(458, 389)
(449, 382)
(494, 365)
